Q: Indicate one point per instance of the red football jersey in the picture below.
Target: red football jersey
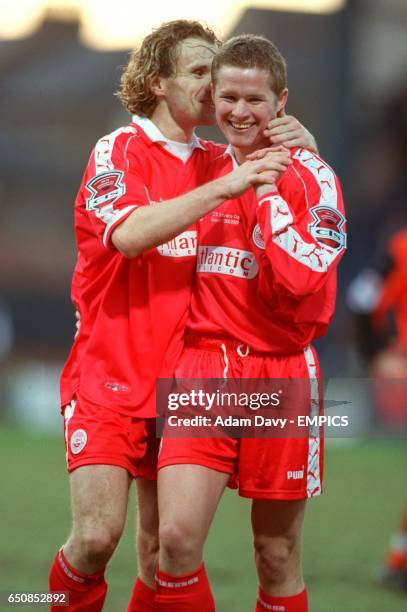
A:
(266, 271)
(132, 311)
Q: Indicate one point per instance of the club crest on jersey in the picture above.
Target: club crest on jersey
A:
(106, 187)
(257, 237)
(78, 441)
(327, 227)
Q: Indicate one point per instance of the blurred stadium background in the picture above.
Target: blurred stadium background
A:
(60, 62)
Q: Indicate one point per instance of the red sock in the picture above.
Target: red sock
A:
(184, 593)
(142, 598)
(86, 593)
(292, 603)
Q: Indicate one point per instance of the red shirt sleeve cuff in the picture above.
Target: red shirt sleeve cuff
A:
(267, 196)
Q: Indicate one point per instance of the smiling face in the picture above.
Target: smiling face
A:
(187, 92)
(244, 104)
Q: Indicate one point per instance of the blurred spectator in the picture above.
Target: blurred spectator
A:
(377, 297)
(392, 363)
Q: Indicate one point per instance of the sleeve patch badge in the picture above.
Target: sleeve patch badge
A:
(327, 227)
(257, 237)
(105, 188)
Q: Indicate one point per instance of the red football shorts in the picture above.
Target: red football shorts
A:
(101, 436)
(261, 468)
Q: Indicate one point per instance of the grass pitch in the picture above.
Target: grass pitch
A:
(346, 533)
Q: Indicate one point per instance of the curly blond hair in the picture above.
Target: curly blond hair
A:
(157, 56)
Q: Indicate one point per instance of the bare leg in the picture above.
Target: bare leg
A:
(147, 530)
(188, 496)
(99, 496)
(277, 531)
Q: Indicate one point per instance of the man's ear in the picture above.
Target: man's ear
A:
(158, 86)
(281, 102)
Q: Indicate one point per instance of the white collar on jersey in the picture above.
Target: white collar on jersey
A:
(229, 151)
(182, 150)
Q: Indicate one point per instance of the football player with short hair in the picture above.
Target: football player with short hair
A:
(264, 290)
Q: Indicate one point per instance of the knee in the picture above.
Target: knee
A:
(177, 543)
(273, 558)
(147, 550)
(147, 544)
(96, 544)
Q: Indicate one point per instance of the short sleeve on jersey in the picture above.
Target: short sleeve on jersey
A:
(113, 186)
